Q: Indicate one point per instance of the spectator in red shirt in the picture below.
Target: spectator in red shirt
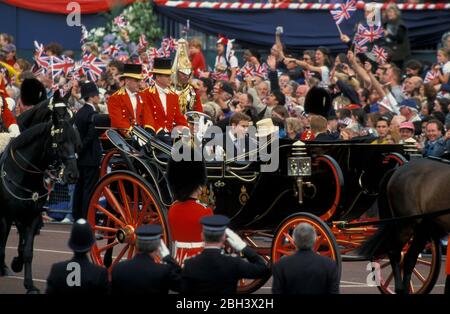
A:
(196, 56)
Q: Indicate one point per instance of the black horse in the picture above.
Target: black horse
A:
(420, 187)
(40, 156)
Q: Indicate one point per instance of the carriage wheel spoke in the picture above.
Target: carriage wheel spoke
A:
(110, 215)
(411, 287)
(289, 238)
(285, 252)
(109, 246)
(131, 251)
(112, 200)
(318, 242)
(419, 275)
(385, 265)
(136, 203)
(121, 254)
(423, 262)
(388, 280)
(123, 194)
(105, 229)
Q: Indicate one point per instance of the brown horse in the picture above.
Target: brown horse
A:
(420, 187)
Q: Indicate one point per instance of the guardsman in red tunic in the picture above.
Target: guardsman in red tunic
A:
(8, 124)
(186, 179)
(126, 106)
(188, 95)
(162, 111)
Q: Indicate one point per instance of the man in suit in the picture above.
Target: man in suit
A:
(305, 272)
(211, 272)
(143, 274)
(126, 106)
(89, 157)
(162, 111)
(78, 275)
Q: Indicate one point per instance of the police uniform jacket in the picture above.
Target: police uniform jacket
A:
(211, 272)
(159, 118)
(90, 153)
(142, 275)
(305, 272)
(93, 278)
(121, 110)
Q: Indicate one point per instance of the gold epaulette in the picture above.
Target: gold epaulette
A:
(120, 91)
(151, 89)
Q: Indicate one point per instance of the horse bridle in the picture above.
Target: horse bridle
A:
(53, 174)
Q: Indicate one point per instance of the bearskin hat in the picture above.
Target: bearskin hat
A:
(318, 101)
(32, 92)
(185, 177)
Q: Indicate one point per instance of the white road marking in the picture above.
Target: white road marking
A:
(21, 278)
(43, 250)
(46, 230)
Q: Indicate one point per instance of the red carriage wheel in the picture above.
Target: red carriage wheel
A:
(425, 273)
(394, 159)
(327, 175)
(283, 241)
(106, 161)
(120, 203)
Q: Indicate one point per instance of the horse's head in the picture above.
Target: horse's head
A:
(66, 141)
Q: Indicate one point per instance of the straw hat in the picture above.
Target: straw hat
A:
(265, 127)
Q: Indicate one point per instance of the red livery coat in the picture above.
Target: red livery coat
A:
(121, 110)
(155, 115)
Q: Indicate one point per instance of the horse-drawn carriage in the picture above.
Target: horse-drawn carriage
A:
(333, 186)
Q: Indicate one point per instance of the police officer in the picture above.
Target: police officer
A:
(305, 272)
(212, 272)
(143, 274)
(78, 275)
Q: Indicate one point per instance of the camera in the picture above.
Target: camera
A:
(279, 30)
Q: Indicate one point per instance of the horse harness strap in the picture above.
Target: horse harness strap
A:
(345, 225)
(34, 195)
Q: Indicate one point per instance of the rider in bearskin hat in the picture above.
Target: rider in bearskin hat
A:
(186, 180)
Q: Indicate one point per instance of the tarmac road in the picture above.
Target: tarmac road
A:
(51, 246)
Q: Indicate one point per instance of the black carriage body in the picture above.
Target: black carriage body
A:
(343, 184)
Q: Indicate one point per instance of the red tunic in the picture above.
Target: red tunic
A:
(7, 116)
(156, 116)
(186, 230)
(121, 110)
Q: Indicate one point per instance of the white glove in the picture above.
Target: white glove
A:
(163, 250)
(234, 240)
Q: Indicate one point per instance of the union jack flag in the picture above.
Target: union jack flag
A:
(344, 11)
(364, 35)
(261, 70)
(56, 66)
(219, 76)
(360, 49)
(380, 54)
(152, 53)
(112, 50)
(92, 66)
(247, 70)
(430, 76)
(143, 43)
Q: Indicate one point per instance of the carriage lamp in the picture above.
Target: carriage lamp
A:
(299, 166)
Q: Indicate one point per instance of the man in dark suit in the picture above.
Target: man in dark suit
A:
(305, 272)
(142, 274)
(211, 272)
(90, 154)
(78, 275)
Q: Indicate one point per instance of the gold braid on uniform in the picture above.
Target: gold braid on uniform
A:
(186, 98)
